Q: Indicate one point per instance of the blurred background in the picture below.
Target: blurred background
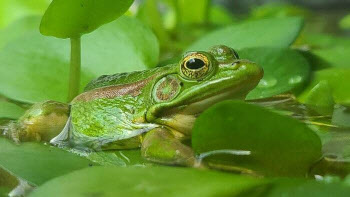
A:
(326, 14)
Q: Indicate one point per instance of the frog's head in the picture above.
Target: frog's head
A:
(201, 79)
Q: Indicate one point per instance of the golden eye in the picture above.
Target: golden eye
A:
(195, 66)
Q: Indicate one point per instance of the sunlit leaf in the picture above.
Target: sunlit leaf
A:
(10, 110)
(41, 64)
(157, 181)
(284, 70)
(338, 80)
(194, 11)
(277, 145)
(280, 33)
(299, 188)
(11, 10)
(19, 28)
(345, 22)
(67, 19)
(38, 163)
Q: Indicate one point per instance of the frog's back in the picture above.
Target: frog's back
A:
(113, 108)
(123, 78)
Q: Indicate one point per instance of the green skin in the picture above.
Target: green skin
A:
(156, 109)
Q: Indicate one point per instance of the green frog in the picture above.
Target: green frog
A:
(153, 109)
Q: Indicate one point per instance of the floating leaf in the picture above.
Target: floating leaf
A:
(156, 181)
(10, 110)
(38, 163)
(280, 33)
(299, 188)
(277, 145)
(68, 19)
(335, 56)
(338, 80)
(284, 70)
(42, 64)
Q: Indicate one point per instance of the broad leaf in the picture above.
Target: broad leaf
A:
(260, 33)
(38, 163)
(67, 19)
(299, 188)
(19, 28)
(10, 110)
(194, 11)
(337, 79)
(277, 145)
(156, 181)
(345, 22)
(284, 70)
(12, 10)
(42, 64)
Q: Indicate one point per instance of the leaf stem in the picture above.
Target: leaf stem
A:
(75, 64)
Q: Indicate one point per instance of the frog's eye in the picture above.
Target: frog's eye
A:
(195, 66)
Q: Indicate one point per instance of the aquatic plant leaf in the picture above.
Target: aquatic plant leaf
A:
(68, 19)
(150, 181)
(41, 65)
(272, 144)
(285, 70)
(38, 163)
(281, 32)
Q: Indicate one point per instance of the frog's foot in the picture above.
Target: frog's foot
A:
(161, 146)
(42, 122)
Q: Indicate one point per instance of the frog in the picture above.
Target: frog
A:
(153, 110)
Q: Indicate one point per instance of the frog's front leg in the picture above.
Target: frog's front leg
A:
(161, 146)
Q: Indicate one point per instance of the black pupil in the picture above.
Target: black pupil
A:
(195, 63)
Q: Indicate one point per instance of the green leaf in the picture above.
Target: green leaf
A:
(335, 56)
(338, 80)
(298, 188)
(284, 70)
(278, 10)
(10, 110)
(280, 33)
(156, 181)
(38, 163)
(320, 98)
(345, 22)
(150, 15)
(68, 19)
(19, 28)
(341, 116)
(42, 64)
(278, 145)
(12, 10)
(194, 11)
(219, 15)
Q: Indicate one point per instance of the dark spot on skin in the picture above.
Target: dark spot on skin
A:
(81, 5)
(181, 84)
(90, 165)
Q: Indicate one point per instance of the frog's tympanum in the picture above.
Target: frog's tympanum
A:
(153, 109)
